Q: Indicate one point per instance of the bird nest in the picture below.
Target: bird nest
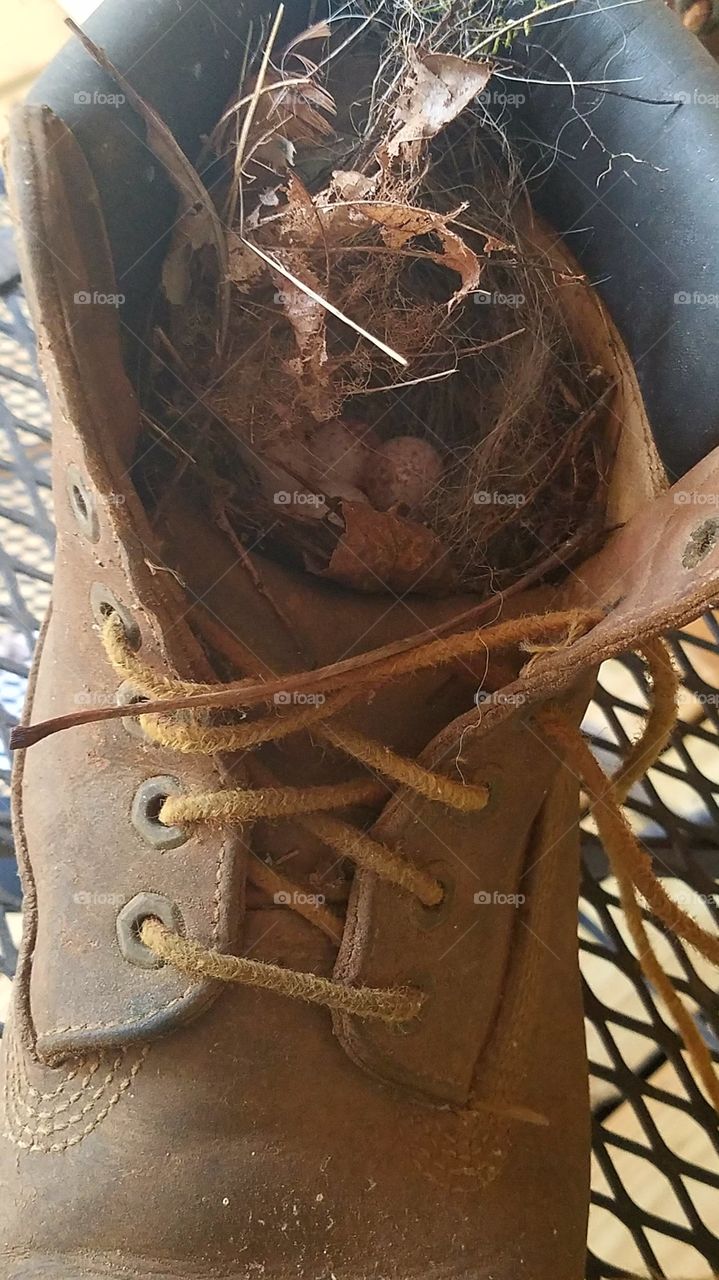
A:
(360, 356)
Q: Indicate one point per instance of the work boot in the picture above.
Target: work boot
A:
(299, 992)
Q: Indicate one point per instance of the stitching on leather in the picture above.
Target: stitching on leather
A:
(469, 1147)
(70, 1101)
(72, 1075)
(37, 1128)
(522, 1009)
(120, 1022)
(55, 1147)
(32, 1134)
(431, 1073)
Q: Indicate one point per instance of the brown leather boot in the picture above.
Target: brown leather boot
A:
(421, 1109)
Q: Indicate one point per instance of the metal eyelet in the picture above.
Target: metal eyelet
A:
(82, 503)
(146, 805)
(428, 918)
(127, 696)
(131, 919)
(104, 603)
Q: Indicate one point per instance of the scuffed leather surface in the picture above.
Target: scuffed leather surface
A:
(649, 577)
(81, 856)
(658, 571)
(457, 953)
(248, 1144)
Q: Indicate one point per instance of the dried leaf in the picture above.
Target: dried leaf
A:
(341, 204)
(284, 271)
(295, 110)
(177, 273)
(303, 309)
(244, 268)
(380, 551)
(319, 31)
(277, 154)
(310, 67)
(347, 184)
(190, 233)
(307, 318)
(400, 224)
(492, 244)
(300, 217)
(437, 88)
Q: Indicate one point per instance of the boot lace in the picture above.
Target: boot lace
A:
(184, 727)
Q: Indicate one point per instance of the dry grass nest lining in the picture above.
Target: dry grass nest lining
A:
(358, 352)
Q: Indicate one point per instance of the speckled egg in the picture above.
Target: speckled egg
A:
(339, 452)
(401, 472)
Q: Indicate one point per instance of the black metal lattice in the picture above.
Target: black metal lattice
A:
(656, 1139)
(26, 548)
(655, 1181)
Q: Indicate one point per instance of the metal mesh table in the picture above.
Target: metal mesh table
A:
(655, 1134)
(655, 1181)
(26, 547)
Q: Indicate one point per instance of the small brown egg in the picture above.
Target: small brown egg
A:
(402, 472)
(338, 452)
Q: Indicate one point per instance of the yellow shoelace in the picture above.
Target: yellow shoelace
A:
(310, 806)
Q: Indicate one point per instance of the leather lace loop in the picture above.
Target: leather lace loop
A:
(312, 806)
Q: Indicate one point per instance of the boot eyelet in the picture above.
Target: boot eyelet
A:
(104, 603)
(129, 695)
(82, 504)
(131, 919)
(428, 918)
(146, 805)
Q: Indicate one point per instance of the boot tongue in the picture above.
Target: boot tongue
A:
(286, 621)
